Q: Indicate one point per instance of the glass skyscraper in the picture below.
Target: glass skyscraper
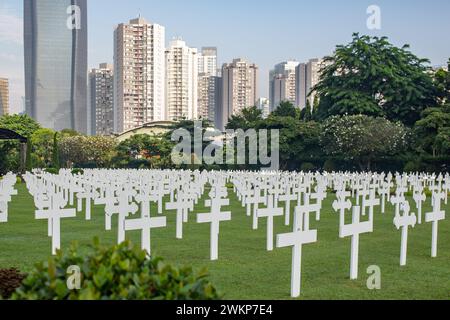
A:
(55, 40)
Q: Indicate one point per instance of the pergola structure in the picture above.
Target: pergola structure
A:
(6, 134)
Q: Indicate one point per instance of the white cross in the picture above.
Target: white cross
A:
(397, 200)
(180, 205)
(446, 188)
(287, 198)
(123, 209)
(270, 212)
(319, 195)
(404, 221)
(434, 217)
(419, 198)
(256, 199)
(145, 224)
(308, 208)
(54, 216)
(342, 204)
(354, 230)
(215, 217)
(300, 236)
(89, 193)
(370, 202)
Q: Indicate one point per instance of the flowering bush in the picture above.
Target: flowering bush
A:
(84, 151)
(362, 139)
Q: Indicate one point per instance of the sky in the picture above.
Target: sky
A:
(261, 31)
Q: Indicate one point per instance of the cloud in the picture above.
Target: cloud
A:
(11, 26)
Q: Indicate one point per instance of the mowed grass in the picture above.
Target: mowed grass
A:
(245, 269)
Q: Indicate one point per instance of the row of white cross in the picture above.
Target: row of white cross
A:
(7, 190)
(126, 192)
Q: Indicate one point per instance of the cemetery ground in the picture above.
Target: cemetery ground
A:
(245, 270)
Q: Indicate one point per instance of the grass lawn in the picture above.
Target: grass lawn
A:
(245, 269)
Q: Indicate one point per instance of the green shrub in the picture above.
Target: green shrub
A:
(412, 166)
(77, 171)
(307, 167)
(116, 273)
(52, 170)
(329, 166)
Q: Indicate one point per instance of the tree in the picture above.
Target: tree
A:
(9, 150)
(305, 114)
(286, 109)
(363, 139)
(55, 152)
(21, 124)
(433, 130)
(144, 151)
(315, 108)
(42, 142)
(82, 151)
(370, 76)
(299, 140)
(246, 119)
(29, 160)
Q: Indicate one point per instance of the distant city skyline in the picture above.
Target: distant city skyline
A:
(255, 32)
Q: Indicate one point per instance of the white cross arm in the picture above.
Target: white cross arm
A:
(338, 205)
(400, 221)
(362, 227)
(208, 217)
(296, 238)
(270, 212)
(435, 216)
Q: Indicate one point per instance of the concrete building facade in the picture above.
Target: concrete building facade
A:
(282, 84)
(101, 89)
(239, 88)
(4, 96)
(139, 74)
(181, 81)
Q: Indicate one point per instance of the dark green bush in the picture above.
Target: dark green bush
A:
(122, 272)
(77, 171)
(412, 166)
(329, 166)
(307, 167)
(52, 170)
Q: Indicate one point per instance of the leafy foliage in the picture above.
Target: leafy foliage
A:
(120, 272)
(144, 151)
(370, 76)
(9, 150)
(82, 151)
(286, 109)
(42, 143)
(363, 139)
(299, 140)
(246, 119)
(21, 124)
(433, 130)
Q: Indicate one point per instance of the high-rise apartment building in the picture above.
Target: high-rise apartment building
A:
(207, 83)
(239, 88)
(308, 76)
(282, 84)
(4, 96)
(101, 89)
(263, 104)
(181, 81)
(55, 47)
(139, 74)
(207, 61)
